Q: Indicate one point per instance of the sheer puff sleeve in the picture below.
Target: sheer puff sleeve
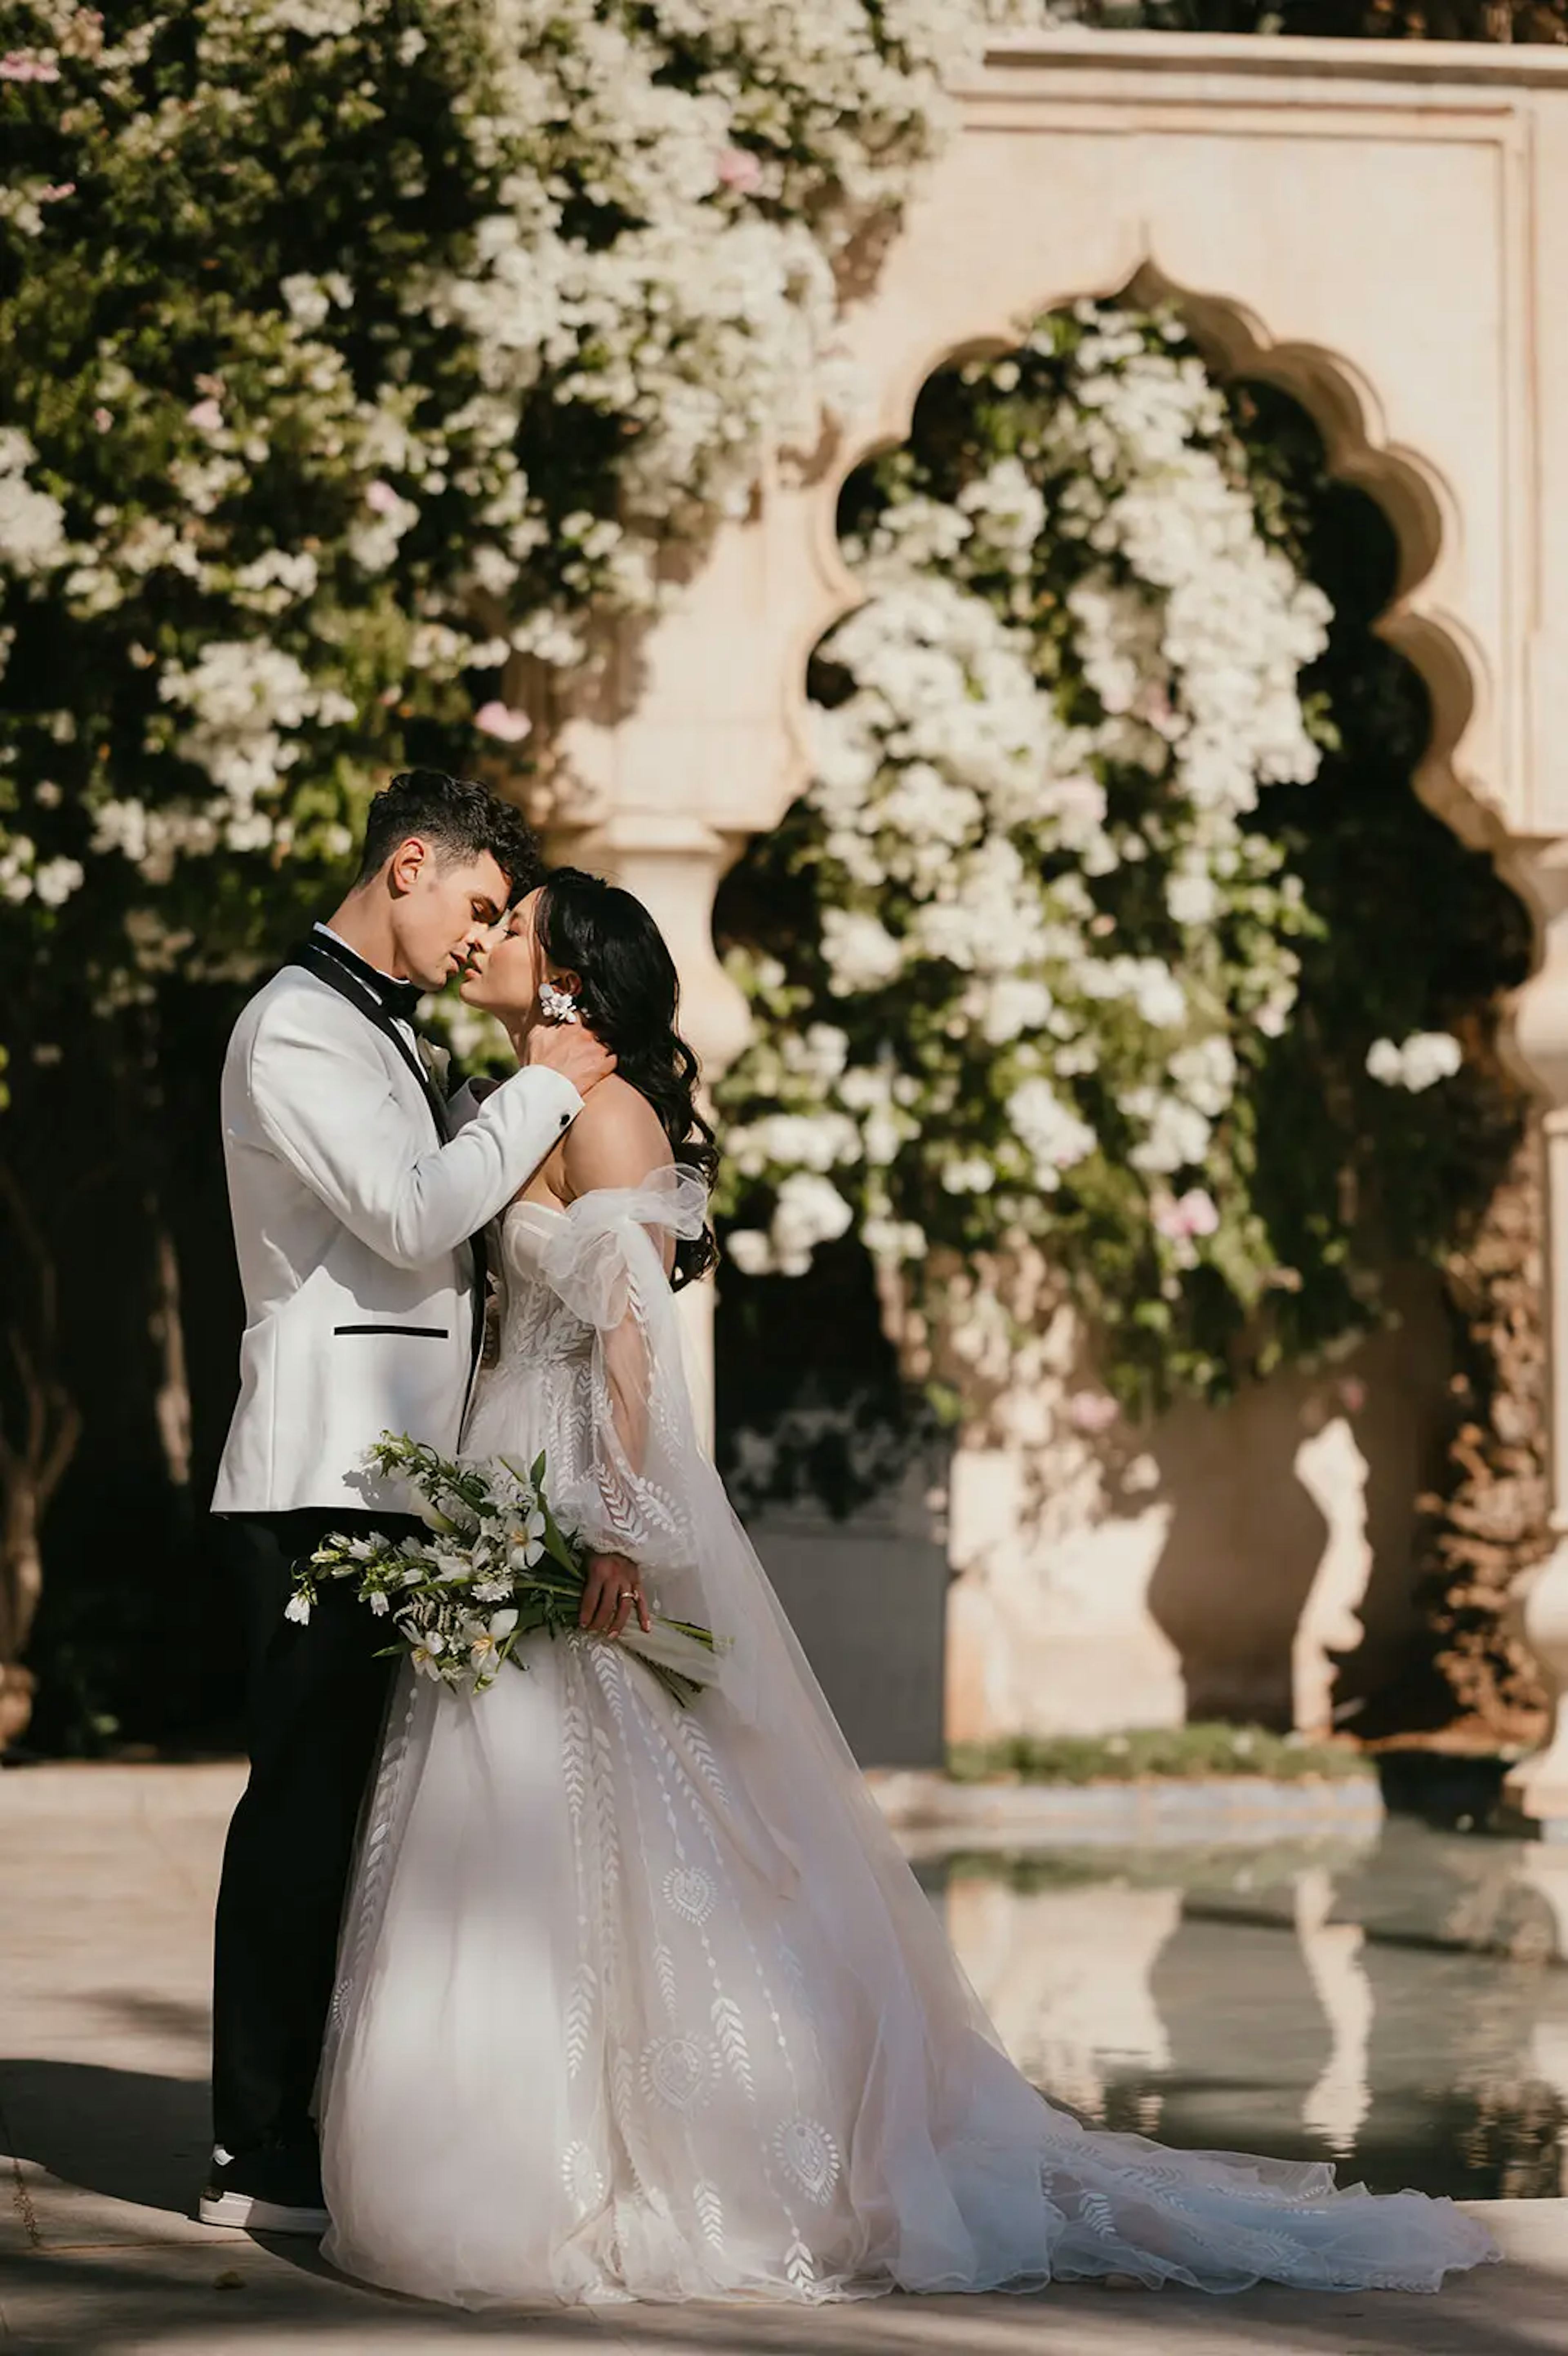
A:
(646, 1488)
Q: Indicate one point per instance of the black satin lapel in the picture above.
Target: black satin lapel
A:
(336, 977)
(326, 968)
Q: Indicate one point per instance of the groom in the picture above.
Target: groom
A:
(358, 1198)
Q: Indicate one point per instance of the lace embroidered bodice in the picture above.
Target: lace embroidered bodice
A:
(583, 1373)
(538, 1327)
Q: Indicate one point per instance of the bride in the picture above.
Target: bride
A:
(638, 2002)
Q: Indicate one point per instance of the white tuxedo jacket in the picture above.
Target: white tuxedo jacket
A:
(351, 1222)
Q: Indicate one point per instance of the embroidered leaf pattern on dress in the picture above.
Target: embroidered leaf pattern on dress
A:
(729, 2030)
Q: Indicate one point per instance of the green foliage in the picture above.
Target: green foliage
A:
(1153, 1753)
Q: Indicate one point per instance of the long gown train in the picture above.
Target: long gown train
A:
(639, 2002)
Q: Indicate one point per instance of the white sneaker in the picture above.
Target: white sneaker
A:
(264, 2191)
(251, 2214)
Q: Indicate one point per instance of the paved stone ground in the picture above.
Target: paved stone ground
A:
(106, 1881)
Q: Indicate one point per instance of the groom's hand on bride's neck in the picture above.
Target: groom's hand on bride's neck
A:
(571, 1049)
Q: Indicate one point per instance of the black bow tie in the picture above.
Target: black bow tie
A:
(399, 998)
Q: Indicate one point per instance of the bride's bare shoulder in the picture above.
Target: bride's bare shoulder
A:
(615, 1140)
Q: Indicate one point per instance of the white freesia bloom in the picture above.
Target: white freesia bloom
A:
(485, 1636)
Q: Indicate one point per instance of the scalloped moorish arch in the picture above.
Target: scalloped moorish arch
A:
(1381, 227)
(1343, 404)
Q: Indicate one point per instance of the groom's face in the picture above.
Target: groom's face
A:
(444, 909)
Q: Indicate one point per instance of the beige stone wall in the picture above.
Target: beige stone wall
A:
(1213, 1567)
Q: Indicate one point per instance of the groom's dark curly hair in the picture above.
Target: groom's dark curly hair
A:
(460, 817)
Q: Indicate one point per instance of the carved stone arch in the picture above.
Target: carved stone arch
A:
(1343, 403)
(1422, 511)
(1383, 225)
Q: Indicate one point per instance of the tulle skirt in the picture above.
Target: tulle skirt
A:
(638, 2002)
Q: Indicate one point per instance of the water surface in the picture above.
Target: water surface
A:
(1400, 2007)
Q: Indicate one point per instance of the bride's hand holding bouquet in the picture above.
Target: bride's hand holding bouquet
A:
(497, 1568)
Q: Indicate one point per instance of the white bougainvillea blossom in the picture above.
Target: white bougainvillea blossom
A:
(333, 519)
(1044, 926)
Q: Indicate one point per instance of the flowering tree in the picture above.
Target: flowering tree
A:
(357, 353)
(355, 350)
(1047, 908)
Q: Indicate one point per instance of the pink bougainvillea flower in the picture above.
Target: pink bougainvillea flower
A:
(739, 169)
(1193, 1214)
(500, 721)
(104, 419)
(206, 416)
(381, 497)
(17, 66)
(1091, 1411)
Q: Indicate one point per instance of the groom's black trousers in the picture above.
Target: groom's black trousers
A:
(315, 1698)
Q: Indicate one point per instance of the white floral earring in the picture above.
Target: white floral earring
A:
(557, 1005)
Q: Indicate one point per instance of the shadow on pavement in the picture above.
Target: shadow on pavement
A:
(112, 2304)
(142, 2138)
(123, 2133)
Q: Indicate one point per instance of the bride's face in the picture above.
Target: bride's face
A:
(508, 965)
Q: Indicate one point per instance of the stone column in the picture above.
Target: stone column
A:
(674, 864)
(1538, 1040)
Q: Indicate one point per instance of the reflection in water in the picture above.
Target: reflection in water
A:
(1401, 2008)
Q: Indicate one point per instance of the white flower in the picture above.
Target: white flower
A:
(1177, 1134)
(861, 954)
(1012, 1005)
(820, 1140)
(1426, 1057)
(374, 545)
(297, 1608)
(307, 300)
(1159, 997)
(32, 523)
(484, 1637)
(749, 1249)
(892, 1240)
(1055, 1138)
(57, 879)
(809, 1211)
(1192, 897)
(1205, 1072)
(525, 1540)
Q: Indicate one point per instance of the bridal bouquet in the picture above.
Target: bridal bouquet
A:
(496, 1567)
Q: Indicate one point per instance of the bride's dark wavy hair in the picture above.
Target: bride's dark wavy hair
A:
(630, 998)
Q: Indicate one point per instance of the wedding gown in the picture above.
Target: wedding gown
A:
(644, 2002)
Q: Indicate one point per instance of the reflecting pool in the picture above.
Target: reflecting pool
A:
(1400, 2007)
